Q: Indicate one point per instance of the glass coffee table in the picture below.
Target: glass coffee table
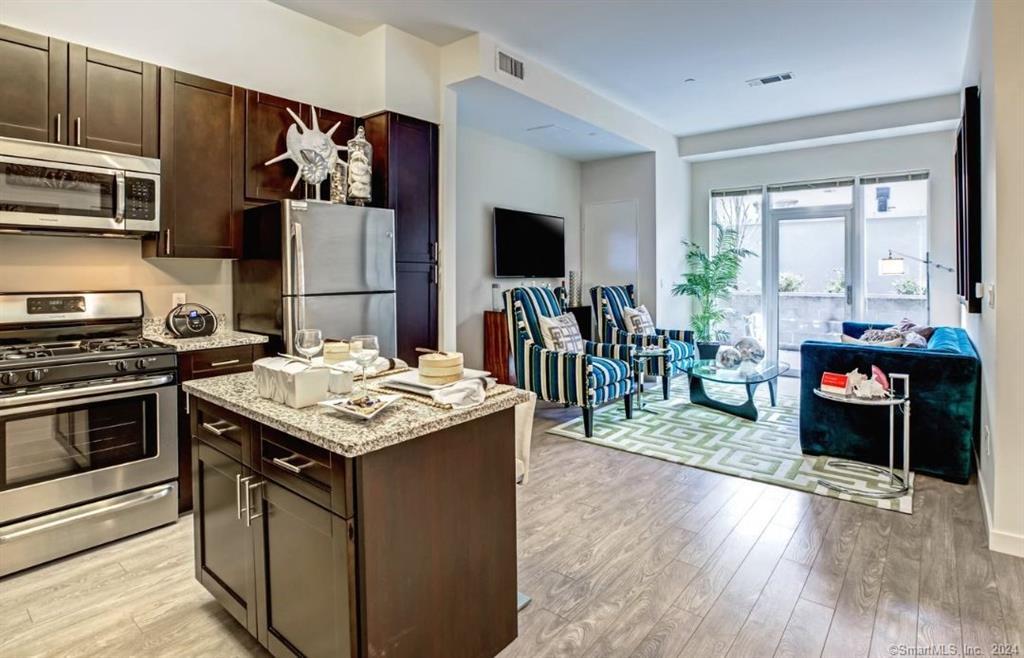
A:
(766, 372)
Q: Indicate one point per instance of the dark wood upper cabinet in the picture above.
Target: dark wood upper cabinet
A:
(202, 155)
(33, 86)
(266, 126)
(405, 179)
(112, 102)
(416, 308)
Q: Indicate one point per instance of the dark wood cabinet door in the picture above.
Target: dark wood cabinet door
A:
(266, 126)
(112, 102)
(33, 86)
(305, 588)
(416, 303)
(224, 555)
(201, 153)
(405, 179)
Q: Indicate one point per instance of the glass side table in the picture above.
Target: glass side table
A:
(899, 483)
(639, 358)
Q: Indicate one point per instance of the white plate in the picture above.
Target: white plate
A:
(344, 407)
(409, 380)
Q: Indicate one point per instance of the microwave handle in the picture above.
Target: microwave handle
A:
(119, 207)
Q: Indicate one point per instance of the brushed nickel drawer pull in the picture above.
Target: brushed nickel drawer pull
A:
(219, 431)
(229, 362)
(294, 468)
(239, 481)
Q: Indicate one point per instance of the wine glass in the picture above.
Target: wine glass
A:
(309, 342)
(365, 350)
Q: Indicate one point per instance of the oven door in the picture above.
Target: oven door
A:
(66, 447)
(36, 194)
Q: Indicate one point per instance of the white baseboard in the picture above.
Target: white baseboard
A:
(1002, 542)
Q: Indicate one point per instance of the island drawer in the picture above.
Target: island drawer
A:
(220, 361)
(224, 430)
(312, 472)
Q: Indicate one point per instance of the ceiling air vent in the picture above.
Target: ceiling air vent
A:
(510, 65)
(769, 79)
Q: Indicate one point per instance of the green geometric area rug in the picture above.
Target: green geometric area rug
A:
(767, 450)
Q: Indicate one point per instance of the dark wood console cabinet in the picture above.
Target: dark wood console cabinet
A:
(409, 550)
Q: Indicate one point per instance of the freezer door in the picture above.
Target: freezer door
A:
(333, 248)
(343, 316)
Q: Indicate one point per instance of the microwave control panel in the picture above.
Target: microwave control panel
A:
(140, 198)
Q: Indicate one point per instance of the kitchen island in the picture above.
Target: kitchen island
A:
(329, 536)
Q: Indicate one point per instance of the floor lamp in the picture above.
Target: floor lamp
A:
(893, 265)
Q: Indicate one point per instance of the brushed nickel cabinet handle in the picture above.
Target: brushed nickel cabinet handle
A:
(219, 431)
(78, 131)
(294, 468)
(249, 516)
(229, 362)
(167, 242)
(58, 128)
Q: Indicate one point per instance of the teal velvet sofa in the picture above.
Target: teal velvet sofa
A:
(945, 391)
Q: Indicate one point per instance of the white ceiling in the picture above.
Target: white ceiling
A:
(843, 54)
(498, 110)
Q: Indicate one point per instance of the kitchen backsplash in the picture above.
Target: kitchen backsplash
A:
(32, 263)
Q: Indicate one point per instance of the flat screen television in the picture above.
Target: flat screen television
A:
(528, 244)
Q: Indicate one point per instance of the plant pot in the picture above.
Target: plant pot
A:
(708, 351)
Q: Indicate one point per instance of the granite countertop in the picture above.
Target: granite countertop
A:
(405, 419)
(153, 329)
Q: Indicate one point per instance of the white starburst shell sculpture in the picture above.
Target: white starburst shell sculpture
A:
(312, 150)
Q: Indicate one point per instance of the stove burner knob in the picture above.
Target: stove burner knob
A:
(9, 378)
(121, 366)
(140, 364)
(34, 375)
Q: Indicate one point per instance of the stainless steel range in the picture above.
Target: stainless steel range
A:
(88, 425)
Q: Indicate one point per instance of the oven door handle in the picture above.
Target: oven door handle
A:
(69, 393)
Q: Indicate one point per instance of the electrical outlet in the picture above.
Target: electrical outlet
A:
(177, 298)
(986, 441)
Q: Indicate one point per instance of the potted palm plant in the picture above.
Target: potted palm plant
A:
(710, 281)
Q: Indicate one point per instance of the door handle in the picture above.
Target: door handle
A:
(434, 249)
(849, 295)
(58, 128)
(239, 481)
(249, 516)
(78, 131)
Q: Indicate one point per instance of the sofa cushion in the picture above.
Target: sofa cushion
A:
(952, 340)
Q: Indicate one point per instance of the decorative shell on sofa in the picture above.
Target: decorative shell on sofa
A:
(312, 150)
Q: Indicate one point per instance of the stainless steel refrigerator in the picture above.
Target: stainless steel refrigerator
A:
(317, 265)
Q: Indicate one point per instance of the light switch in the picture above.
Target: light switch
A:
(991, 295)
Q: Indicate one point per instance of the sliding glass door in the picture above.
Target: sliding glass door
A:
(811, 267)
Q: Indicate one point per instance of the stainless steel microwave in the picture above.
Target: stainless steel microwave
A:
(54, 188)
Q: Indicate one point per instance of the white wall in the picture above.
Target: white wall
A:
(995, 62)
(497, 172)
(929, 151)
(631, 177)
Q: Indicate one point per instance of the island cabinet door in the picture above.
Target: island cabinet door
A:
(223, 533)
(305, 587)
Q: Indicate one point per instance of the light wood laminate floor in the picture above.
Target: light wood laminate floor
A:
(624, 556)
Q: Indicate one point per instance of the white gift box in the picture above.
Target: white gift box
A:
(290, 382)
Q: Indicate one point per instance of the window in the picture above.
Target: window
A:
(895, 210)
(740, 210)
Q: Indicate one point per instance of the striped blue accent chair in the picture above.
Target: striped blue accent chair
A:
(608, 303)
(599, 374)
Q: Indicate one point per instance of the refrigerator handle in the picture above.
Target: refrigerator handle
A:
(300, 265)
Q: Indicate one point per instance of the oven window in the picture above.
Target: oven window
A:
(46, 445)
(55, 191)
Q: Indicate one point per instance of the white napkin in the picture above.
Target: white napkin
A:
(464, 394)
(382, 364)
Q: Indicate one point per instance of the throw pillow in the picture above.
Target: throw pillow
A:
(638, 320)
(896, 342)
(914, 339)
(561, 333)
(906, 325)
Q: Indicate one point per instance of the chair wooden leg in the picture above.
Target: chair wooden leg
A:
(588, 422)
(665, 383)
(628, 400)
